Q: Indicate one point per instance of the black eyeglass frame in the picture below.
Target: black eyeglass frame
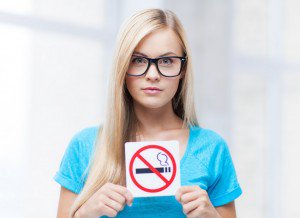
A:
(155, 60)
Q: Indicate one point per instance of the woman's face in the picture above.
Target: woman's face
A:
(160, 43)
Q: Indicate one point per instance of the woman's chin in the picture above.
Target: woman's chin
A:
(152, 105)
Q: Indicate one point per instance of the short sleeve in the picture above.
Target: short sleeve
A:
(73, 167)
(224, 186)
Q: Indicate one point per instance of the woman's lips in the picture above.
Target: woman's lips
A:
(152, 90)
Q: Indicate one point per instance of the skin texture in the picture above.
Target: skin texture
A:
(157, 121)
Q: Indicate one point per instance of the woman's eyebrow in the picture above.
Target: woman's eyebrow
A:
(168, 53)
(140, 53)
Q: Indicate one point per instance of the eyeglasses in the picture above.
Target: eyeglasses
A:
(167, 66)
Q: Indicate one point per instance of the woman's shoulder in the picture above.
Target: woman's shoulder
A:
(206, 134)
(84, 139)
(207, 139)
(75, 162)
(86, 134)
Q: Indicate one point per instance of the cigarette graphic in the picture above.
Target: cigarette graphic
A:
(147, 170)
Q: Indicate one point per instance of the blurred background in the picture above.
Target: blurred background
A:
(55, 61)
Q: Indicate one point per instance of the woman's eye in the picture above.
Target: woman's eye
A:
(166, 61)
(138, 60)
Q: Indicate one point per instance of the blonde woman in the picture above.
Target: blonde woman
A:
(151, 98)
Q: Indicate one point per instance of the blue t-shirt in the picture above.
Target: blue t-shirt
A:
(206, 162)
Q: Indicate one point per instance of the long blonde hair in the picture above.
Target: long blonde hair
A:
(108, 162)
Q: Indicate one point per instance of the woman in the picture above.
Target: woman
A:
(151, 99)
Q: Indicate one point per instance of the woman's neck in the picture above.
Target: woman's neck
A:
(153, 121)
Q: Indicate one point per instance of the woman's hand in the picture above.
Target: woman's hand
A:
(107, 201)
(195, 202)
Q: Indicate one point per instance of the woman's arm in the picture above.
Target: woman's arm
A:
(66, 200)
(227, 210)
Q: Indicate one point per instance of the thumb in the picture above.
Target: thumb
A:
(129, 198)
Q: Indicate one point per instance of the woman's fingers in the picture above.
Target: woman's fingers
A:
(116, 196)
(107, 201)
(122, 191)
(106, 210)
(195, 202)
(129, 198)
(190, 196)
(112, 203)
(186, 189)
(125, 192)
(187, 208)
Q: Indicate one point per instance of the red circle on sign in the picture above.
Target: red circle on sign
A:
(136, 154)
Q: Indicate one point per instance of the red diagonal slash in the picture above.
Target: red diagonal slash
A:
(152, 168)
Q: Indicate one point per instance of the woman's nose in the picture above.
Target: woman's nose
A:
(152, 73)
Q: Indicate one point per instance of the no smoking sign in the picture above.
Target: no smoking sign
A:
(152, 168)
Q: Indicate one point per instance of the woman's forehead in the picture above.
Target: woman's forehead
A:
(159, 42)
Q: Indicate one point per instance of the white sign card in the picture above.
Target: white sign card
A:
(152, 168)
